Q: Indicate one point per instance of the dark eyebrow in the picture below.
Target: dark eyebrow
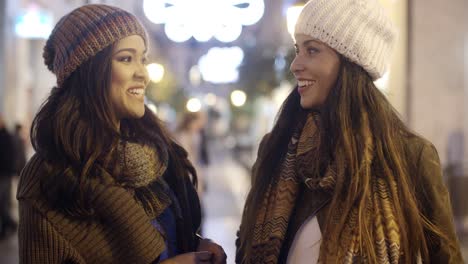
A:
(132, 50)
(309, 41)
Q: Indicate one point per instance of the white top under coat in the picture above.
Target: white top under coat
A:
(305, 248)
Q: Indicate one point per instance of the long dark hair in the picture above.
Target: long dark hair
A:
(353, 106)
(74, 131)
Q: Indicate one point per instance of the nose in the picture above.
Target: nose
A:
(296, 65)
(141, 73)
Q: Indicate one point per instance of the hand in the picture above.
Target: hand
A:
(200, 257)
(219, 256)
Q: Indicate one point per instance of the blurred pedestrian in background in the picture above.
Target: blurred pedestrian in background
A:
(340, 178)
(20, 148)
(107, 183)
(190, 133)
(7, 170)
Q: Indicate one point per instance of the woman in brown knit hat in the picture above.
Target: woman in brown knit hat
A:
(107, 183)
(340, 178)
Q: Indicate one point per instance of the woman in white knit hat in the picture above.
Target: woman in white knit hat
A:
(340, 178)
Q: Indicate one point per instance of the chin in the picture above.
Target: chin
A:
(311, 104)
(307, 105)
(141, 114)
(137, 114)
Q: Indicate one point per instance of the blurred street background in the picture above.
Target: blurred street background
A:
(224, 64)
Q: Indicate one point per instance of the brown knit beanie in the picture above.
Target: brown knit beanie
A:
(84, 32)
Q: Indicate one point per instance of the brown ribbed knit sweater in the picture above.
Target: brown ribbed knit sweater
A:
(123, 234)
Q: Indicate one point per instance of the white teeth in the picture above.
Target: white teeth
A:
(137, 91)
(305, 83)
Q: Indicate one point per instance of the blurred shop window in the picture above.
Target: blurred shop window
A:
(33, 23)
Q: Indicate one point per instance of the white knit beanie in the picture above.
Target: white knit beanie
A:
(360, 30)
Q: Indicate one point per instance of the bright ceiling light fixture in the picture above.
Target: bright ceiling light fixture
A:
(204, 19)
(220, 65)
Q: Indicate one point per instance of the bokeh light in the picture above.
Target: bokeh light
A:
(193, 105)
(292, 14)
(204, 19)
(155, 71)
(238, 98)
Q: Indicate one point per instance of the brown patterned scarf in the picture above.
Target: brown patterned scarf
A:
(141, 168)
(272, 220)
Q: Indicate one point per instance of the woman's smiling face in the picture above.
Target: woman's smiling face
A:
(129, 77)
(315, 68)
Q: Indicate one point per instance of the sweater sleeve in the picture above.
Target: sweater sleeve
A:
(437, 208)
(39, 242)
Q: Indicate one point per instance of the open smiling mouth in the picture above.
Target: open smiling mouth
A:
(303, 85)
(137, 92)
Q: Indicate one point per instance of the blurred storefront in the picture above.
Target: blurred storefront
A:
(437, 97)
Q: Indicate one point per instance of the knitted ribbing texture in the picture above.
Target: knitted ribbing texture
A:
(84, 32)
(360, 30)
